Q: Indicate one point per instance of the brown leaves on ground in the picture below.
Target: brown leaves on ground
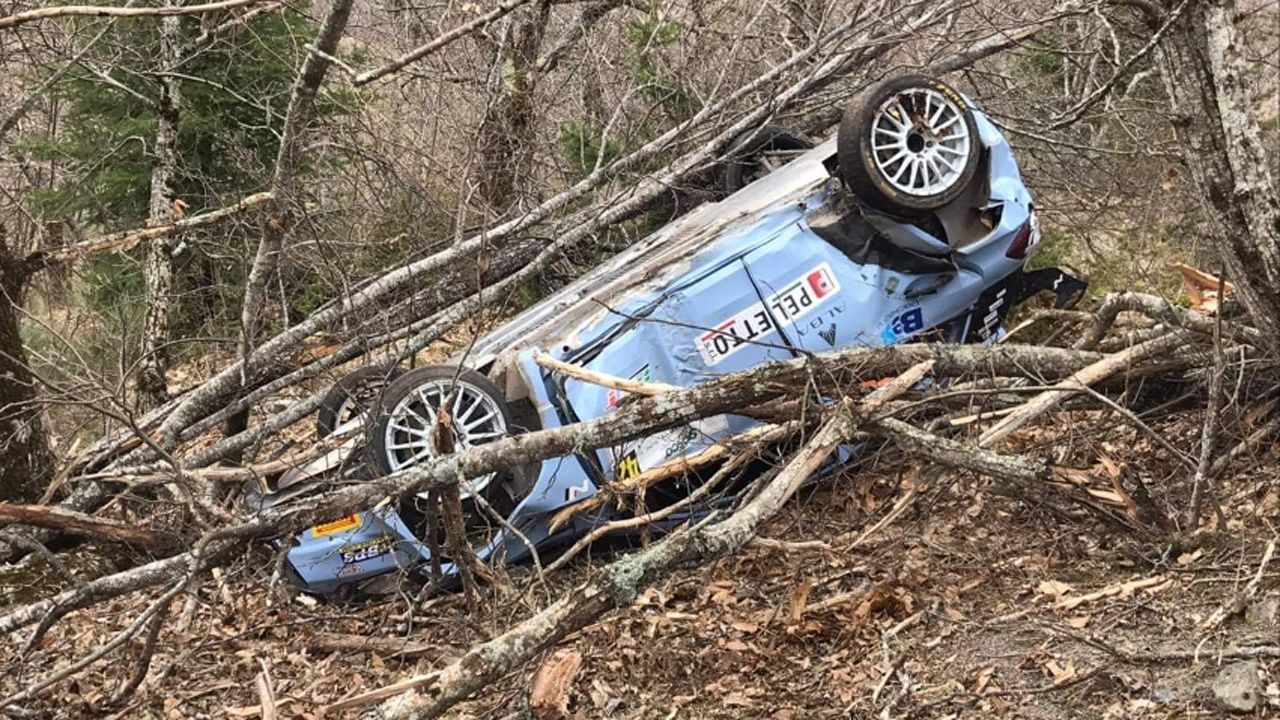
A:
(990, 606)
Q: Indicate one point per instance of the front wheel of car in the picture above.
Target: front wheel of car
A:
(909, 145)
(407, 427)
(351, 397)
(442, 409)
(758, 152)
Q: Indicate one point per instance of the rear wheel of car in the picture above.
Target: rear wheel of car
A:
(351, 397)
(909, 145)
(758, 152)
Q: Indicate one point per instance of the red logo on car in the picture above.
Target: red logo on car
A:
(820, 282)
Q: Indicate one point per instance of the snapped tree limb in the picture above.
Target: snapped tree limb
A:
(622, 582)
(62, 11)
(834, 374)
(56, 518)
(126, 239)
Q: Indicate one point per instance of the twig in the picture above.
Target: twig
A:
(266, 693)
(1251, 441)
(1122, 589)
(1074, 114)
(438, 42)
(1209, 429)
(62, 11)
(1241, 600)
(1094, 373)
(144, 660)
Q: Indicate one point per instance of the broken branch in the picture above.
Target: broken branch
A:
(55, 518)
(62, 11)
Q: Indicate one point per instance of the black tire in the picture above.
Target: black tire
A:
(743, 159)
(858, 163)
(359, 388)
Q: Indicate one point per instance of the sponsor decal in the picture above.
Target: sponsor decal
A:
(829, 334)
(613, 397)
(991, 320)
(792, 302)
(627, 467)
(671, 445)
(573, 492)
(349, 570)
(367, 550)
(350, 522)
(905, 323)
(817, 321)
(683, 436)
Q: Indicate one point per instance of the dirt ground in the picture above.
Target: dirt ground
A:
(968, 603)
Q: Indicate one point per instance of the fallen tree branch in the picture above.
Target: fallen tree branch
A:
(1015, 469)
(621, 582)
(126, 239)
(1159, 309)
(62, 11)
(1094, 373)
(679, 466)
(55, 518)
(578, 372)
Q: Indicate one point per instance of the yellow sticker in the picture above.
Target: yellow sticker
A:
(350, 522)
(627, 467)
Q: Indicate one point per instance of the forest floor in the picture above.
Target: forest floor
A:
(969, 603)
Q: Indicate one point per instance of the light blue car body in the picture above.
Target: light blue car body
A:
(749, 266)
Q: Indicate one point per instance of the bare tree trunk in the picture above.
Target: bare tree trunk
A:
(506, 133)
(279, 218)
(152, 387)
(1205, 76)
(25, 464)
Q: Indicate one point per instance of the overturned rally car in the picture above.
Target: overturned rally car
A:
(912, 223)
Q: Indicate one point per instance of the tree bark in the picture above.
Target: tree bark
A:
(279, 219)
(25, 464)
(63, 11)
(1205, 77)
(506, 132)
(622, 582)
(152, 387)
